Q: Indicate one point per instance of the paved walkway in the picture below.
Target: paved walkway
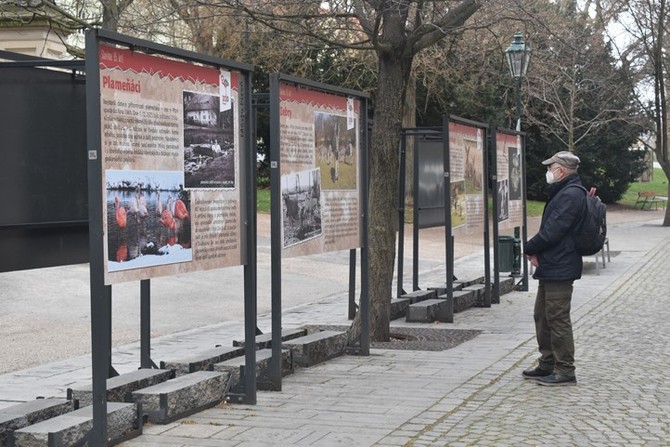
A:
(473, 395)
(470, 395)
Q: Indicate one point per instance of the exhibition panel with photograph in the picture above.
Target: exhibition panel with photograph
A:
(509, 160)
(466, 163)
(320, 170)
(170, 154)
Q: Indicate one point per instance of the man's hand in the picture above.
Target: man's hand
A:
(533, 260)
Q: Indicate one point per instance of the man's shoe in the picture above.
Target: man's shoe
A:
(535, 373)
(557, 380)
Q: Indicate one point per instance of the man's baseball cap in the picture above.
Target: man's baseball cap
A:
(563, 158)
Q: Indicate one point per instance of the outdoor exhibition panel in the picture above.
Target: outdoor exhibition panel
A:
(509, 181)
(509, 204)
(171, 182)
(455, 154)
(170, 155)
(466, 177)
(321, 175)
(319, 180)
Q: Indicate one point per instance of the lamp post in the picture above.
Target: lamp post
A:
(518, 57)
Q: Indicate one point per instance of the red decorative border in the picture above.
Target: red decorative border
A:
(124, 59)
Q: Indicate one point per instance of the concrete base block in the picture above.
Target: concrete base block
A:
(120, 388)
(316, 348)
(468, 282)
(431, 310)
(29, 413)
(442, 289)
(69, 429)
(399, 307)
(235, 366)
(463, 299)
(202, 361)
(506, 284)
(478, 290)
(420, 295)
(184, 395)
(264, 341)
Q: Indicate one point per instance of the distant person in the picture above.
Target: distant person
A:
(557, 265)
(216, 147)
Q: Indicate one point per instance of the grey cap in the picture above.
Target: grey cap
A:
(563, 158)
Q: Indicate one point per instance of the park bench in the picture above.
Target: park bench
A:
(645, 199)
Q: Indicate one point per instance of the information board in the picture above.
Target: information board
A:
(320, 171)
(170, 155)
(509, 181)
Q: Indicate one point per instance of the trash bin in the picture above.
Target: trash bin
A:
(509, 254)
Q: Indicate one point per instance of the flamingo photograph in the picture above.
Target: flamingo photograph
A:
(148, 219)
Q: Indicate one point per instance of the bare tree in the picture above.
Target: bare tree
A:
(385, 28)
(646, 21)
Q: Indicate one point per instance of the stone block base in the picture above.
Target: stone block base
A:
(264, 341)
(182, 396)
(29, 413)
(316, 348)
(69, 429)
(263, 357)
(120, 388)
(202, 361)
(431, 310)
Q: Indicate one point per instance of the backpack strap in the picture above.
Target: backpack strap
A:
(586, 206)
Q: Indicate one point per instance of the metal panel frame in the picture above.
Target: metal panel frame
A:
(443, 133)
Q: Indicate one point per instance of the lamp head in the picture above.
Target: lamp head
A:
(518, 56)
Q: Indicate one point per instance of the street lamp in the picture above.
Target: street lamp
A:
(518, 57)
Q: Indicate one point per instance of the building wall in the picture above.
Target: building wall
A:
(33, 41)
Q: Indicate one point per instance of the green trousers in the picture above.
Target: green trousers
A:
(553, 327)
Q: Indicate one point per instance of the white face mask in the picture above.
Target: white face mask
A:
(550, 177)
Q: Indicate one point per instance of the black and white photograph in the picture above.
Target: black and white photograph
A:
(148, 219)
(209, 142)
(473, 167)
(503, 200)
(336, 151)
(301, 206)
(514, 173)
(458, 205)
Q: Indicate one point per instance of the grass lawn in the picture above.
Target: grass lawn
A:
(659, 185)
(263, 199)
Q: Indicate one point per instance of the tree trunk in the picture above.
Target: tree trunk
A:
(385, 143)
(409, 120)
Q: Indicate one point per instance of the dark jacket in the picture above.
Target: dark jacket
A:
(554, 244)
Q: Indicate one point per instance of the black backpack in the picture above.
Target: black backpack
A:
(592, 231)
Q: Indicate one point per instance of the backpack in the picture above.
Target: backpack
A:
(592, 231)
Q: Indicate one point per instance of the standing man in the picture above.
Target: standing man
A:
(557, 264)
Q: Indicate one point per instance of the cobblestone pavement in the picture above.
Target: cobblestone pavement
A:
(623, 396)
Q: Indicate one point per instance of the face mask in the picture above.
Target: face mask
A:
(550, 177)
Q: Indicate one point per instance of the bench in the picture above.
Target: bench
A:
(645, 199)
(601, 253)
